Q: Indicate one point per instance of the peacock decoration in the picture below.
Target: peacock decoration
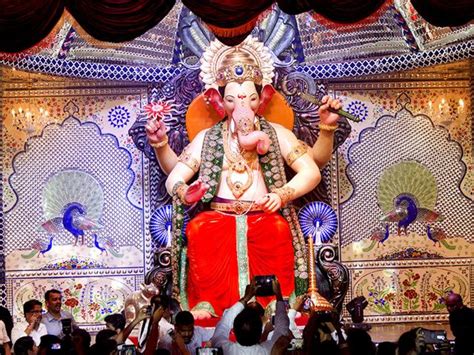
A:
(72, 201)
(378, 236)
(40, 247)
(406, 193)
(106, 245)
(161, 223)
(319, 220)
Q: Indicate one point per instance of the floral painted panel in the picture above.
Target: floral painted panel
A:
(397, 291)
(89, 300)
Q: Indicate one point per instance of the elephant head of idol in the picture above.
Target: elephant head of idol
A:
(238, 87)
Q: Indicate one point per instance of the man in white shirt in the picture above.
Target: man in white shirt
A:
(32, 327)
(248, 326)
(52, 319)
(4, 339)
(193, 336)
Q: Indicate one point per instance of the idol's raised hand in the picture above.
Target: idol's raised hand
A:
(327, 117)
(155, 131)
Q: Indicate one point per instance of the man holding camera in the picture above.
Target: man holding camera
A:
(192, 336)
(33, 327)
(57, 321)
(247, 325)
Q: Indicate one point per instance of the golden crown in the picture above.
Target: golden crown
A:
(250, 60)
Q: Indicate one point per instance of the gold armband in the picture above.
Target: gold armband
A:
(188, 160)
(285, 193)
(180, 189)
(326, 127)
(296, 151)
(160, 144)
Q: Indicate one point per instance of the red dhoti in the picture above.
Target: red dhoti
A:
(226, 251)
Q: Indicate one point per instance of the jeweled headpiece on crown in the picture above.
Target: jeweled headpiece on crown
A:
(250, 60)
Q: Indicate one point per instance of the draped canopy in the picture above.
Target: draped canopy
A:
(24, 23)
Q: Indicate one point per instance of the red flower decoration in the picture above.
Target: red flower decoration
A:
(406, 283)
(410, 294)
(71, 302)
(94, 306)
(416, 277)
(78, 286)
(157, 110)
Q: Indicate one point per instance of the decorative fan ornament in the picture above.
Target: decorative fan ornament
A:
(161, 223)
(318, 219)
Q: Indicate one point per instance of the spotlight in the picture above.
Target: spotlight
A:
(356, 309)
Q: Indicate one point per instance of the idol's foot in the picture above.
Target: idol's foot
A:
(202, 314)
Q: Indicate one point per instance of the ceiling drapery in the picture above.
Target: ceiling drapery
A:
(23, 23)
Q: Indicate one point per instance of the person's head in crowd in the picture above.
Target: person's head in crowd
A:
(257, 307)
(25, 346)
(184, 325)
(248, 327)
(104, 347)
(53, 301)
(81, 340)
(105, 334)
(386, 348)
(50, 345)
(115, 322)
(453, 302)
(360, 342)
(317, 331)
(32, 309)
(407, 343)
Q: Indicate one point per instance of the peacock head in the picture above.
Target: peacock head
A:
(406, 201)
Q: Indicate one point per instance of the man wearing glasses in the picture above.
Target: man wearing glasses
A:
(32, 327)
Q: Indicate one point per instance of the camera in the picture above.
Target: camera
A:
(123, 349)
(264, 285)
(434, 336)
(207, 351)
(67, 326)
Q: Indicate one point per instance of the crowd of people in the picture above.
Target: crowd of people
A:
(245, 328)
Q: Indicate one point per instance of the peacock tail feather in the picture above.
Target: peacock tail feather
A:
(70, 186)
(408, 178)
(30, 255)
(448, 246)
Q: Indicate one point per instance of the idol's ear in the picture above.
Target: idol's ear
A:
(213, 97)
(265, 98)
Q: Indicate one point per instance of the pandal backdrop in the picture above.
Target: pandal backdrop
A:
(77, 76)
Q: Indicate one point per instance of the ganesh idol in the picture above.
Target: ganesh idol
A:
(235, 168)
